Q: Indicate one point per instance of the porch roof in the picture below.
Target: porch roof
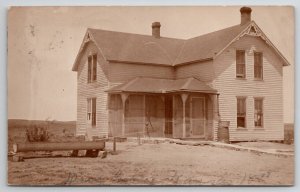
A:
(155, 85)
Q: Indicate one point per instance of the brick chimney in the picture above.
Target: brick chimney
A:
(245, 15)
(156, 29)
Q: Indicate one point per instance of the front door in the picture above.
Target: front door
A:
(197, 116)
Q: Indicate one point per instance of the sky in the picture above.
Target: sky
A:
(43, 43)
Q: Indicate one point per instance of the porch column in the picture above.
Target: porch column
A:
(217, 107)
(144, 116)
(216, 116)
(124, 97)
(184, 97)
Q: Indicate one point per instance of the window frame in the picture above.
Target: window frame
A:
(262, 112)
(92, 111)
(92, 68)
(245, 112)
(241, 64)
(255, 65)
(89, 77)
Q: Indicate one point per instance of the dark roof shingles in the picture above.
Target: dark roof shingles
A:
(119, 46)
(208, 45)
(136, 48)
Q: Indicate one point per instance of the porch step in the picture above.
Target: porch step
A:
(193, 139)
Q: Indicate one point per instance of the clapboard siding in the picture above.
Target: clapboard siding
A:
(203, 71)
(270, 89)
(122, 72)
(92, 90)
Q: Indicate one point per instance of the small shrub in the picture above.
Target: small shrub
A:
(37, 134)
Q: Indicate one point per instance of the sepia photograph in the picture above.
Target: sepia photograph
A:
(150, 95)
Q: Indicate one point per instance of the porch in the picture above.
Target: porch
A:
(184, 108)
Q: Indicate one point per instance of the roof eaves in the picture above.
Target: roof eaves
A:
(83, 44)
(193, 91)
(285, 61)
(96, 43)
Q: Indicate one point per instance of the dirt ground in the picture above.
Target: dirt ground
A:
(268, 146)
(157, 164)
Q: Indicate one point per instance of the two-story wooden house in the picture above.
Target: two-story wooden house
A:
(130, 84)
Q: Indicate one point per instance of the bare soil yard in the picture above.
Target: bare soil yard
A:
(157, 164)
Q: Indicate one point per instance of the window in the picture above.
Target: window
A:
(91, 111)
(258, 112)
(92, 68)
(241, 112)
(258, 65)
(240, 64)
(89, 69)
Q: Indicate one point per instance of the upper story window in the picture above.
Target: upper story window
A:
(92, 68)
(258, 65)
(240, 64)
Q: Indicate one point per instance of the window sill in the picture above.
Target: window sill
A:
(259, 129)
(239, 78)
(258, 79)
(242, 128)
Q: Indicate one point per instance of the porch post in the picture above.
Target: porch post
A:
(217, 106)
(216, 116)
(144, 118)
(184, 97)
(124, 97)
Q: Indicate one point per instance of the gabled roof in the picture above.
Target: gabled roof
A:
(137, 48)
(145, 49)
(208, 45)
(154, 85)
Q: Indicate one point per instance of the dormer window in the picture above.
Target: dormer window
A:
(258, 65)
(92, 68)
(240, 64)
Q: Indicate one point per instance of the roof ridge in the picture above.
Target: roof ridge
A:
(213, 32)
(129, 33)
